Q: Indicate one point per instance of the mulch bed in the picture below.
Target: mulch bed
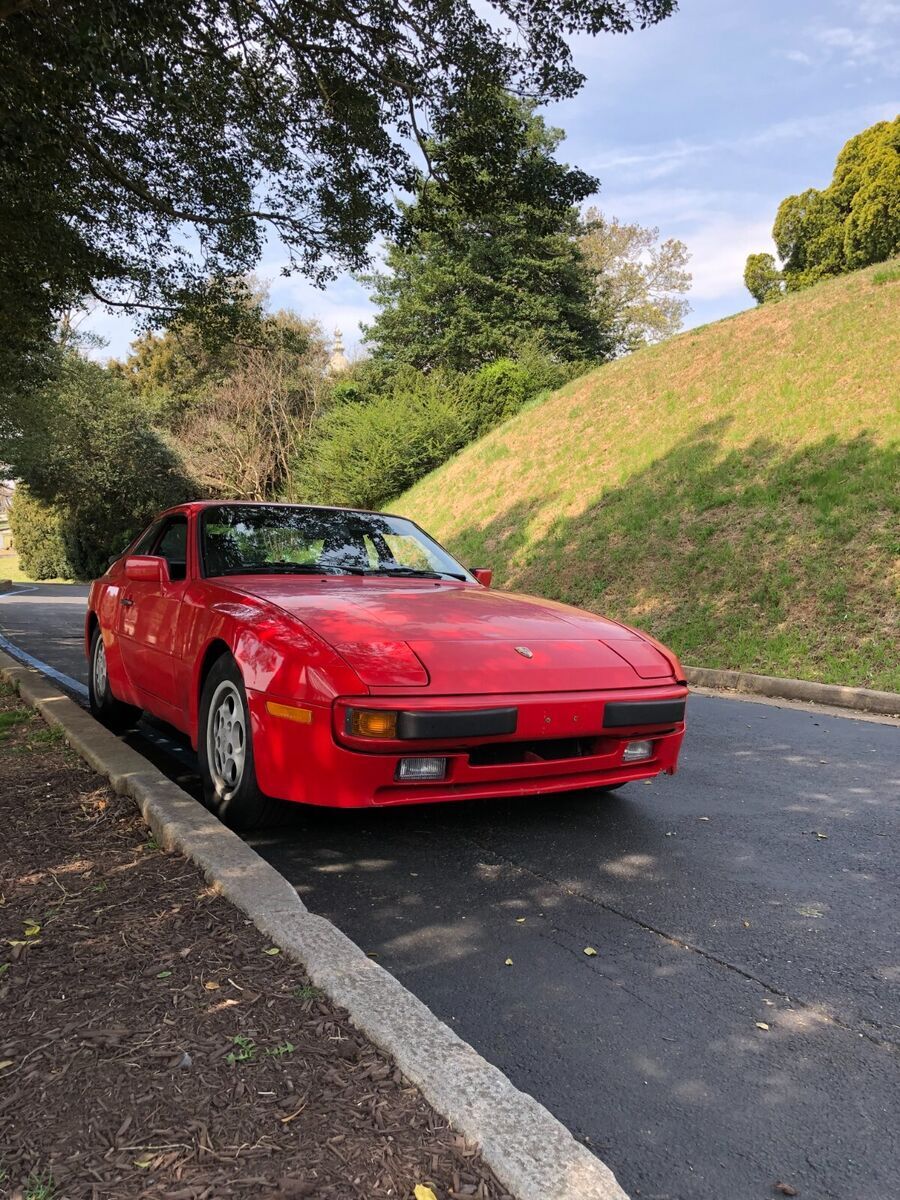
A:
(151, 1042)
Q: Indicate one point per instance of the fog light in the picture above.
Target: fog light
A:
(421, 768)
(635, 751)
(371, 722)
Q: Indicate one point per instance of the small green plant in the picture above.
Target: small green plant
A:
(151, 844)
(48, 735)
(246, 1050)
(308, 992)
(40, 1186)
(281, 1050)
(887, 275)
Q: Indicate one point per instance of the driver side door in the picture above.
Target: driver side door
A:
(148, 618)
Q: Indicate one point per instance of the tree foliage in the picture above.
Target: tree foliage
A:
(241, 436)
(387, 428)
(762, 278)
(484, 269)
(38, 538)
(853, 222)
(639, 282)
(150, 146)
(91, 453)
(365, 453)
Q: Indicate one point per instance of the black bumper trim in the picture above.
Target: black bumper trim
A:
(619, 713)
(485, 722)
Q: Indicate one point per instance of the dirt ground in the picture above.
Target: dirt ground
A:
(152, 1044)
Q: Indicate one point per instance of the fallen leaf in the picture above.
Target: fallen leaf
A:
(786, 1189)
(272, 950)
(703, 818)
(771, 1003)
(7, 1062)
(590, 951)
(143, 1163)
(32, 929)
(520, 920)
(761, 1025)
(746, 924)
(211, 985)
(509, 962)
(163, 974)
(823, 836)
(424, 1193)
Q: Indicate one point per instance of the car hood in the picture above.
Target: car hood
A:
(468, 638)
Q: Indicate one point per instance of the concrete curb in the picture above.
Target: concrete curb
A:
(531, 1153)
(862, 699)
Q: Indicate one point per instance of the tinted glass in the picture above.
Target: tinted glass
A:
(172, 546)
(146, 540)
(269, 539)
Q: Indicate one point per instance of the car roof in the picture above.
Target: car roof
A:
(200, 505)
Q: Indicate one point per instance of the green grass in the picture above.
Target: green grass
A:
(10, 719)
(735, 491)
(10, 568)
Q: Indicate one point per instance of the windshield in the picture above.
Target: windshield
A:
(250, 539)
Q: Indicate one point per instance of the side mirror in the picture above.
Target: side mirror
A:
(146, 568)
(484, 575)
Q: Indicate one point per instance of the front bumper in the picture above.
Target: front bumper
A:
(561, 741)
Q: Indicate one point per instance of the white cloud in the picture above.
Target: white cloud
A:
(719, 249)
(798, 56)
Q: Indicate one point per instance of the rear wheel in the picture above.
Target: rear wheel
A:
(106, 708)
(225, 750)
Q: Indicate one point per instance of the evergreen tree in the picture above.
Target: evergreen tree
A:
(485, 271)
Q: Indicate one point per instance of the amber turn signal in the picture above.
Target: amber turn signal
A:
(303, 716)
(371, 722)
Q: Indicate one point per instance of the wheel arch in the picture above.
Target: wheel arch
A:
(215, 650)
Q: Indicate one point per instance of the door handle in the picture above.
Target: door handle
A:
(126, 603)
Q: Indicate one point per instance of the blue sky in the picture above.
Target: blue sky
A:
(700, 126)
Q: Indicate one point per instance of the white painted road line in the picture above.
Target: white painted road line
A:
(72, 685)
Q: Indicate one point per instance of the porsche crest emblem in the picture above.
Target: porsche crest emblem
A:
(524, 651)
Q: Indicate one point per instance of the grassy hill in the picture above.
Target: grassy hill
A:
(735, 490)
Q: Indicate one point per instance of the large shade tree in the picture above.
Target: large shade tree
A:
(149, 147)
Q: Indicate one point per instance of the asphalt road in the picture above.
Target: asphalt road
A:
(739, 1025)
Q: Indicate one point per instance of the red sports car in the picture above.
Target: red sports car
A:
(343, 658)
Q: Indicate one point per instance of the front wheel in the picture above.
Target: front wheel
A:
(106, 708)
(225, 750)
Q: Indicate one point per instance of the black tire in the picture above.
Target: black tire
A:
(225, 751)
(106, 708)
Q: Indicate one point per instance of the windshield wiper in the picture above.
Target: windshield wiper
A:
(284, 568)
(416, 573)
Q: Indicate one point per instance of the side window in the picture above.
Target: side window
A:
(172, 546)
(146, 540)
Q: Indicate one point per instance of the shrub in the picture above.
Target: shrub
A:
(366, 452)
(499, 389)
(37, 536)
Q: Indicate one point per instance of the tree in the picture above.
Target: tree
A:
(240, 438)
(639, 282)
(762, 278)
(482, 272)
(853, 222)
(151, 146)
(91, 454)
